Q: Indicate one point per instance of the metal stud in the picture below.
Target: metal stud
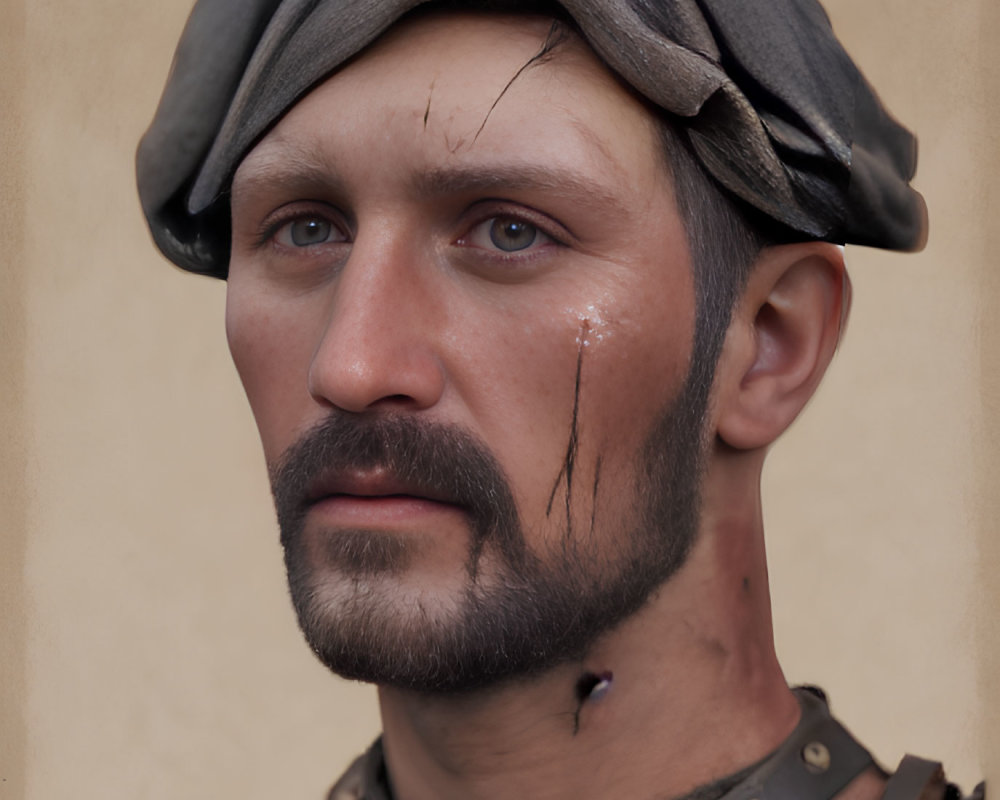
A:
(816, 756)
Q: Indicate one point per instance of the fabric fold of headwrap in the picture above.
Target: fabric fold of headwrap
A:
(774, 109)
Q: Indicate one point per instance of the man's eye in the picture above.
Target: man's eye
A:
(512, 234)
(307, 232)
(506, 234)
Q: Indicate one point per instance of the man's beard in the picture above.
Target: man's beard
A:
(520, 613)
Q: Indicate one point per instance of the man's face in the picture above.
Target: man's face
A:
(461, 304)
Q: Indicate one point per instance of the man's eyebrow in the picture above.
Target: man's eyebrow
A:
(284, 165)
(502, 178)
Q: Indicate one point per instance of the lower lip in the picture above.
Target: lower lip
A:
(379, 511)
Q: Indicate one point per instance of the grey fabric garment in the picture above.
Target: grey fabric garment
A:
(773, 107)
(834, 759)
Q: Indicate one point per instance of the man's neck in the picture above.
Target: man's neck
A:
(693, 693)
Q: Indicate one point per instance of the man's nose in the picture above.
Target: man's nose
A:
(379, 348)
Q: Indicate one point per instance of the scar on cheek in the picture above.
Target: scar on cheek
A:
(571, 448)
(593, 499)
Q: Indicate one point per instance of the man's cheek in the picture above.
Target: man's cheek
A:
(248, 348)
(273, 371)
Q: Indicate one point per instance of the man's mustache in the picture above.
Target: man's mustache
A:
(430, 459)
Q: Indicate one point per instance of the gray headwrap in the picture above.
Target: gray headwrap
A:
(773, 107)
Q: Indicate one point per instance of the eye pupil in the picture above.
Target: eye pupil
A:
(512, 234)
(309, 231)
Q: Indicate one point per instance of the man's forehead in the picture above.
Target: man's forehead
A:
(480, 111)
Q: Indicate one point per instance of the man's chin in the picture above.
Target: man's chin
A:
(465, 633)
(379, 629)
(361, 553)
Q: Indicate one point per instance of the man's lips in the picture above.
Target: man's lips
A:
(373, 485)
(374, 497)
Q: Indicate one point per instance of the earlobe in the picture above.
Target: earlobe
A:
(784, 333)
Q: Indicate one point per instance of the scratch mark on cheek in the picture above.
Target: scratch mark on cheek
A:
(574, 438)
(555, 488)
(569, 462)
(593, 500)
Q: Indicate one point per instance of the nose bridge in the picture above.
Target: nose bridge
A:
(378, 346)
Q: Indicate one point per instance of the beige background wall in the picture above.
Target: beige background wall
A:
(148, 650)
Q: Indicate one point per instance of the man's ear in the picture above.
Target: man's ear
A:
(784, 332)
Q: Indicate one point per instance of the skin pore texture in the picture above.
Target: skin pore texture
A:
(412, 254)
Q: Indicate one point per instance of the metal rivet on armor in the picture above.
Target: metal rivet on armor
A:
(816, 756)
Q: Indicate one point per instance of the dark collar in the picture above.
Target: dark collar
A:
(816, 762)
